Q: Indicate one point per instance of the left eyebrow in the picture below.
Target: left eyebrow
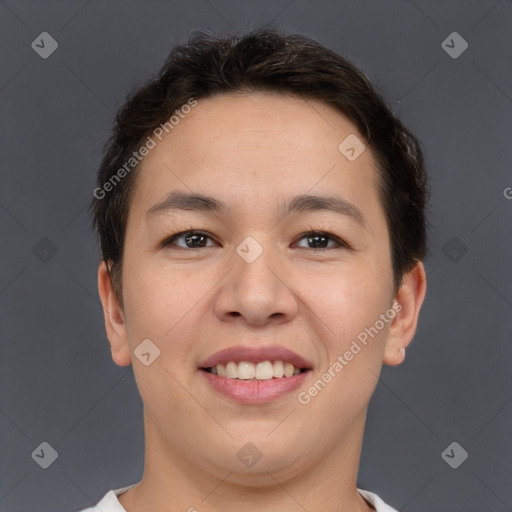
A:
(301, 203)
(311, 203)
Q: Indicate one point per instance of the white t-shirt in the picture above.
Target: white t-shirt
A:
(110, 503)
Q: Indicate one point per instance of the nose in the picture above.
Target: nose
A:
(257, 292)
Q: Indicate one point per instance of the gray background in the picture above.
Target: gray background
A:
(58, 383)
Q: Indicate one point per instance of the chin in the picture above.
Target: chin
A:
(251, 461)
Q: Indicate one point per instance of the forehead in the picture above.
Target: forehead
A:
(261, 124)
(251, 150)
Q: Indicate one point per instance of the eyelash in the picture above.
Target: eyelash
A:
(341, 244)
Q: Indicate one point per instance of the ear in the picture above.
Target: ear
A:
(407, 306)
(114, 318)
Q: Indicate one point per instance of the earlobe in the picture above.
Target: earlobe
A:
(403, 327)
(115, 325)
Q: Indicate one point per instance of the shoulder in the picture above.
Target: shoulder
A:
(376, 501)
(109, 502)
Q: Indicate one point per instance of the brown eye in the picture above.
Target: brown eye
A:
(318, 239)
(192, 240)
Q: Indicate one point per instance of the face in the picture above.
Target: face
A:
(253, 275)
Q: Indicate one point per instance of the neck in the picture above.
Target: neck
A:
(171, 482)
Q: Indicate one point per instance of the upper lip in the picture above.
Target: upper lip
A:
(253, 354)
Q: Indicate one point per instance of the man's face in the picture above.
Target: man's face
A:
(255, 153)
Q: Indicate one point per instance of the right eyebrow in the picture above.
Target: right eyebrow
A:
(185, 201)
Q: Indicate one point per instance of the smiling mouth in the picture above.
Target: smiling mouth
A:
(264, 370)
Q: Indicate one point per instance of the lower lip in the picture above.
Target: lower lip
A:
(254, 392)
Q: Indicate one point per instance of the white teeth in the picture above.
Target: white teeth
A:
(288, 369)
(278, 369)
(231, 370)
(246, 370)
(265, 370)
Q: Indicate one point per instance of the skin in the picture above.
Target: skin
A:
(254, 151)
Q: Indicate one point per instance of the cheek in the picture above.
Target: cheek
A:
(350, 308)
(167, 303)
(352, 295)
(353, 340)
(159, 306)
(155, 300)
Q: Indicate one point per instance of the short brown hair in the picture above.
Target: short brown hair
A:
(266, 60)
